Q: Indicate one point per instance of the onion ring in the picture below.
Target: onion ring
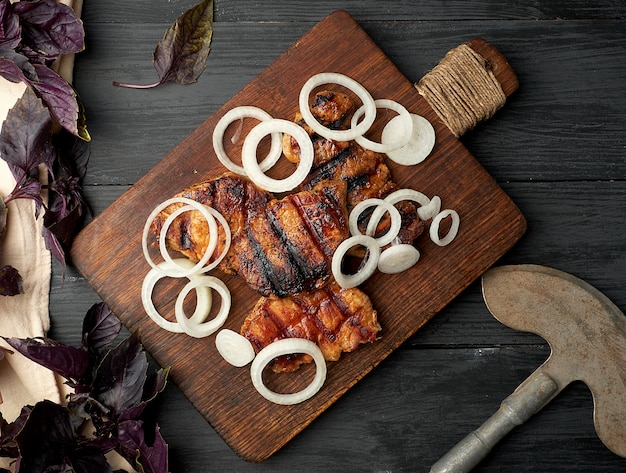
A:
(454, 228)
(176, 271)
(396, 220)
(212, 241)
(399, 196)
(389, 146)
(348, 83)
(368, 266)
(288, 346)
(234, 347)
(203, 297)
(419, 146)
(203, 329)
(246, 111)
(252, 167)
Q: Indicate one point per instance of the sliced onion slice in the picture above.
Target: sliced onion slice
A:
(203, 297)
(428, 211)
(398, 196)
(288, 346)
(213, 236)
(203, 329)
(419, 146)
(172, 269)
(234, 347)
(239, 113)
(254, 171)
(452, 232)
(348, 83)
(398, 258)
(396, 220)
(402, 138)
(367, 267)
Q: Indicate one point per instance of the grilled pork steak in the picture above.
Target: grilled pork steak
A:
(279, 247)
(337, 320)
(365, 171)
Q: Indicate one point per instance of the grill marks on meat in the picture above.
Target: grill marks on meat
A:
(278, 247)
(365, 171)
(337, 320)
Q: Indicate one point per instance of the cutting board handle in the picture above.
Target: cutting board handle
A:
(468, 85)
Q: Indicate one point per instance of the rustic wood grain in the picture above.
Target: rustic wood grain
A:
(253, 427)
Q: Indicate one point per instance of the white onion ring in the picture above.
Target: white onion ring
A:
(234, 347)
(203, 297)
(398, 258)
(389, 146)
(199, 268)
(398, 196)
(288, 346)
(174, 271)
(203, 329)
(212, 241)
(454, 227)
(348, 83)
(254, 171)
(428, 211)
(419, 146)
(358, 209)
(247, 111)
(368, 266)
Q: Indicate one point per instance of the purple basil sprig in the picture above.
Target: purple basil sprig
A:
(111, 389)
(33, 33)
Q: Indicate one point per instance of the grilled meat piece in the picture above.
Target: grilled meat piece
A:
(337, 320)
(278, 247)
(365, 171)
(333, 110)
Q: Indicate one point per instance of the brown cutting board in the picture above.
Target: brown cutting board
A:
(108, 251)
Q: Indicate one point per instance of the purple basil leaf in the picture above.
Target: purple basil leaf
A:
(16, 67)
(8, 431)
(54, 245)
(25, 136)
(120, 378)
(182, 53)
(10, 281)
(73, 155)
(87, 459)
(65, 211)
(68, 361)
(159, 382)
(10, 33)
(59, 97)
(100, 327)
(50, 27)
(145, 458)
(27, 188)
(44, 438)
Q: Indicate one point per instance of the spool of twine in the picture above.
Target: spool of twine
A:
(462, 89)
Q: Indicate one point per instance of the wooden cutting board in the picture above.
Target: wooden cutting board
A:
(108, 251)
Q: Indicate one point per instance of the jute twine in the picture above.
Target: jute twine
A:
(462, 89)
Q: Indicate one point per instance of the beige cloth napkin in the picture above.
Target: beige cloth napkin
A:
(23, 382)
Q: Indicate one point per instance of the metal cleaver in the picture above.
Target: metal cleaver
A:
(587, 336)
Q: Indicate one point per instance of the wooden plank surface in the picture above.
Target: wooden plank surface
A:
(557, 148)
(491, 224)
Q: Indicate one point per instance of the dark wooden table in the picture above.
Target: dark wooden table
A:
(558, 148)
